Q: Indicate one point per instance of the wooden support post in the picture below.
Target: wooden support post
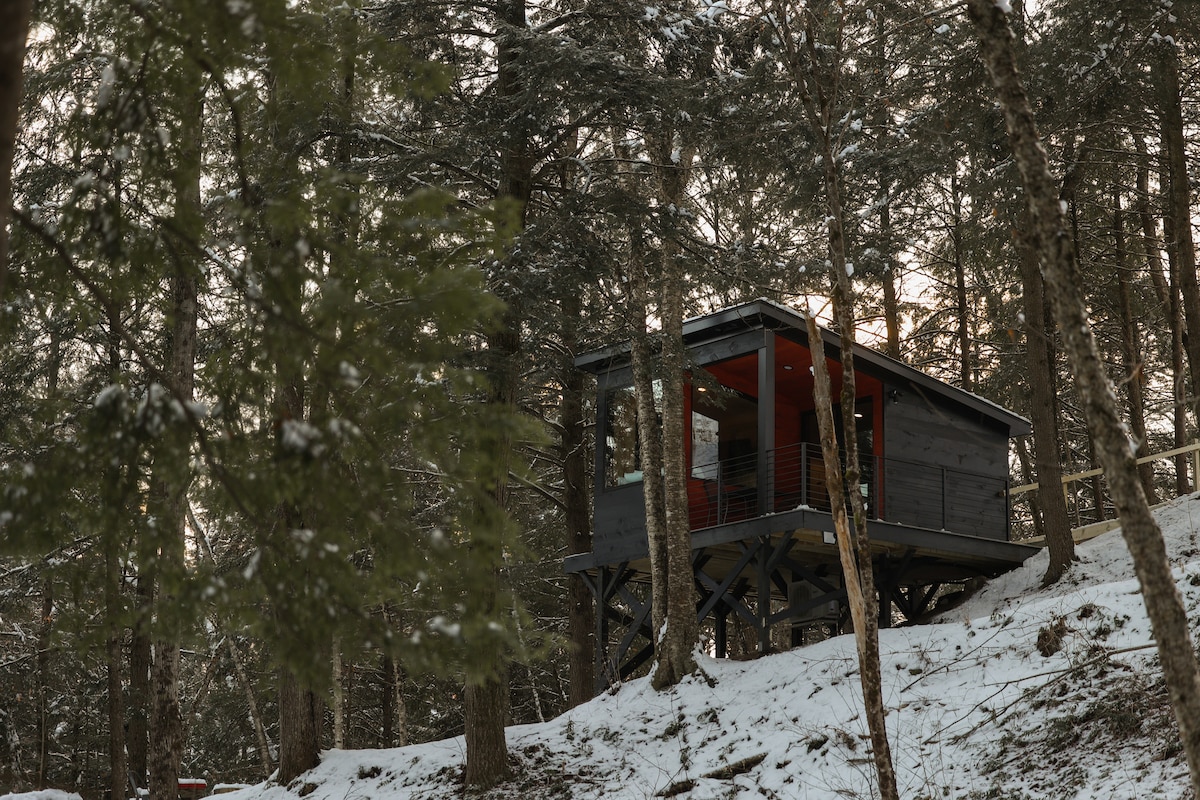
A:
(763, 571)
(884, 583)
(601, 643)
(721, 630)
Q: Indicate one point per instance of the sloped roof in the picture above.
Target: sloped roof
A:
(764, 313)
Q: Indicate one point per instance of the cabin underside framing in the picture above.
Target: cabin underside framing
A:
(782, 587)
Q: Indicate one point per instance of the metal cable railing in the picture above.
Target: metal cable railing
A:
(793, 477)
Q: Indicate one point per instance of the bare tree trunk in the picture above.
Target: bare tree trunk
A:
(138, 736)
(260, 730)
(817, 78)
(649, 435)
(113, 575)
(1131, 350)
(1055, 521)
(43, 682)
(14, 28)
(1149, 229)
(1168, 297)
(391, 704)
(299, 728)
(674, 650)
(1179, 385)
(960, 289)
(891, 303)
(574, 454)
(1180, 206)
(1164, 605)
(170, 482)
(338, 696)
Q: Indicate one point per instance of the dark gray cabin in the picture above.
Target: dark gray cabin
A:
(934, 479)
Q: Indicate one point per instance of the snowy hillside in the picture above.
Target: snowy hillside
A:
(1020, 693)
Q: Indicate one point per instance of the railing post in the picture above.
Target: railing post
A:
(1196, 470)
(720, 493)
(804, 474)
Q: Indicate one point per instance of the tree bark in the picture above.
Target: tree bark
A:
(1168, 298)
(960, 289)
(817, 78)
(337, 695)
(486, 692)
(891, 302)
(1179, 384)
(1164, 605)
(574, 454)
(260, 730)
(170, 482)
(138, 736)
(674, 650)
(1055, 520)
(113, 575)
(1131, 350)
(14, 28)
(649, 435)
(1180, 206)
(300, 712)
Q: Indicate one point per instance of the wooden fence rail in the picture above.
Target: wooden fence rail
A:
(1093, 529)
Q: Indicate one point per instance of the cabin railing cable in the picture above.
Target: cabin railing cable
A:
(925, 495)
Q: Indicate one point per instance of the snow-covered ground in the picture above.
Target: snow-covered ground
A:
(976, 710)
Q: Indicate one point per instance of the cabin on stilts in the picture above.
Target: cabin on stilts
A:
(935, 480)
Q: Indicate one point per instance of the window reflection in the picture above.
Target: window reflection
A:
(622, 446)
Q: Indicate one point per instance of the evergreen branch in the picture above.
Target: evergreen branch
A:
(112, 311)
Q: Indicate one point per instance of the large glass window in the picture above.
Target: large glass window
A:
(724, 436)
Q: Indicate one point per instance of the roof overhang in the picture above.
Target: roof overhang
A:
(767, 314)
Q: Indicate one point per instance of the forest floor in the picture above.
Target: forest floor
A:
(1020, 693)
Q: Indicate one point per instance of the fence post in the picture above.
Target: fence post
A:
(1196, 468)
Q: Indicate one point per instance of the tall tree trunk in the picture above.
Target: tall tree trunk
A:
(170, 482)
(1150, 245)
(44, 682)
(574, 455)
(1168, 298)
(1164, 605)
(1055, 522)
(649, 429)
(1131, 350)
(113, 575)
(138, 737)
(891, 302)
(391, 704)
(817, 78)
(1180, 205)
(485, 696)
(14, 28)
(649, 436)
(677, 639)
(300, 713)
(337, 695)
(1179, 385)
(960, 289)
(260, 730)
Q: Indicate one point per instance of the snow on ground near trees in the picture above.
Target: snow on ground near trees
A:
(975, 710)
(46, 794)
